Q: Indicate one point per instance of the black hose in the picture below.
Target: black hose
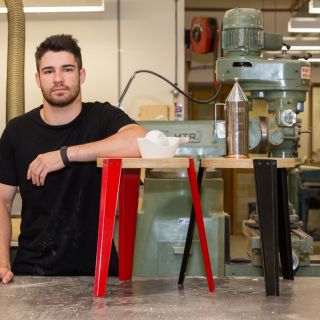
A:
(172, 84)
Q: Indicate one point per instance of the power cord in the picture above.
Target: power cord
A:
(171, 83)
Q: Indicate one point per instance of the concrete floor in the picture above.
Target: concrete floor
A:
(63, 298)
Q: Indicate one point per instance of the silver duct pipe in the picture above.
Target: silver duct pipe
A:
(15, 62)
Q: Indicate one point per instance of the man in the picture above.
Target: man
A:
(50, 153)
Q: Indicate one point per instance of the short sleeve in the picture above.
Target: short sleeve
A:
(8, 172)
(116, 119)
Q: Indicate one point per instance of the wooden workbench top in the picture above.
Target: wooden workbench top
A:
(218, 163)
(150, 163)
(243, 163)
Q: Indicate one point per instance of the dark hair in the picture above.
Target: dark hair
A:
(59, 42)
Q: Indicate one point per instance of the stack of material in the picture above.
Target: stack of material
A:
(157, 112)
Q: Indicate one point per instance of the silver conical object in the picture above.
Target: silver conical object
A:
(236, 94)
(237, 122)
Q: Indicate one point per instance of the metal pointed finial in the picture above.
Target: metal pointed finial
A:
(236, 94)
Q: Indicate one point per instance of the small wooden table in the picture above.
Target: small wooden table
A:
(273, 209)
(120, 179)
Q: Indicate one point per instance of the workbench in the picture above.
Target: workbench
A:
(71, 298)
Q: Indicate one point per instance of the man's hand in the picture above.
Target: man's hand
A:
(6, 274)
(42, 165)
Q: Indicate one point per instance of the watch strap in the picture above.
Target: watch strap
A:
(64, 156)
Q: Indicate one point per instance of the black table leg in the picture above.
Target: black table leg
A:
(284, 226)
(267, 204)
(190, 233)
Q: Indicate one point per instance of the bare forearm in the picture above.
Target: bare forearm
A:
(6, 197)
(5, 236)
(122, 144)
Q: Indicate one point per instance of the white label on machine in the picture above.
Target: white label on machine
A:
(306, 73)
(183, 220)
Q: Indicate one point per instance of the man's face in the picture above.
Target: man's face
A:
(59, 78)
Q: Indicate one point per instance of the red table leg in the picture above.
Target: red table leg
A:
(200, 224)
(128, 207)
(111, 172)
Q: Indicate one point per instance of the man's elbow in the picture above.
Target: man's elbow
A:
(143, 132)
(140, 132)
(135, 130)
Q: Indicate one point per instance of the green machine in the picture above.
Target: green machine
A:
(282, 82)
(163, 221)
(166, 209)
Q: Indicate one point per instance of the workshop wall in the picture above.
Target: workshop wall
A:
(147, 42)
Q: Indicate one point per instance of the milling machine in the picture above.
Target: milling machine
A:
(282, 82)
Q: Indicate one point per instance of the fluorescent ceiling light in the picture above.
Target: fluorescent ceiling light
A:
(46, 6)
(57, 9)
(305, 48)
(312, 60)
(303, 43)
(314, 6)
(303, 25)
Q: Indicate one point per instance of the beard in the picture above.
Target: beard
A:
(63, 100)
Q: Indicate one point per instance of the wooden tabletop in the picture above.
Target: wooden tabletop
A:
(243, 163)
(218, 163)
(150, 163)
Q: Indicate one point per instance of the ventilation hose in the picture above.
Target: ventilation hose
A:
(15, 63)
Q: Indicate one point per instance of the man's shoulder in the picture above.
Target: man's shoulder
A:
(97, 108)
(110, 117)
(98, 105)
(23, 118)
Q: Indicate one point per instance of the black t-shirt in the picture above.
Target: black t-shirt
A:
(60, 219)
